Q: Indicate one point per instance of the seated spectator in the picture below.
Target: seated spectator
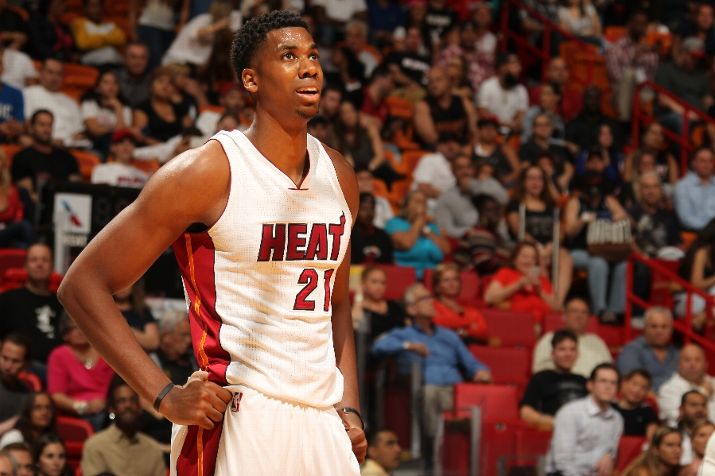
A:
(488, 150)
(383, 454)
(522, 286)
(548, 104)
(549, 390)
(591, 348)
(691, 375)
(104, 111)
(33, 309)
(483, 247)
(188, 92)
(695, 193)
(21, 454)
(159, 119)
(13, 31)
(18, 69)
(50, 457)
(417, 241)
(583, 131)
(639, 418)
(653, 351)
(697, 269)
(121, 448)
(464, 319)
(433, 174)
(356, 32)
(42, 162)
(596, 202)
(331, 17)
(580, 18)
(97, 39)
(233, 103)
(37, 418)
(384, 16)
(700, 26)
(652, 155)
(693, 410)
(48, 34)
(130, 302)
(661, 457)
(374, 105)
(372, 312)
(370, 244)
(439, 351)
(77, 377)
(604, 158)
(15, 229)
(409, 62)
(174, 355)
(330, 100)
(119, 171)
(532, 217)
(14, 352)
(134, 77)
(586, 431)
(348, 71)
(571, 101)
(7, 466)
(68, 129)
(12, 109)
(701, 434)
(503, 96)
(542, 142)
(655, 226)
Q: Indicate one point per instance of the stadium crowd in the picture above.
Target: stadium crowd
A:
(475, 161)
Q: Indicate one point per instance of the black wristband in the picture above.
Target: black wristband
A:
(164, 391)
(347, 410)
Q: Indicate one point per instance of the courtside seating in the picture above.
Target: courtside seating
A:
(11, 258)
(509, 365)
(399, 278)
(87, 161)
(15, 277)
(32, 381)
(498, 402)
(510, 328)
(471, 292)
(629, 447)
(74, 432)
(531, 444)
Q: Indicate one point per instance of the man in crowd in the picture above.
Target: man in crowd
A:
(120, 172)
(21, 455)
(695, 193)
(433, 173)
(14, 350)
(653, 351)
(557, 74)
(97, 38)
(693, 410)
(591, 348)
(691, 375)
(586, 431)
(548, 390)
(383, 454)
(7, 468)
(174, 356)
(639, 418)
(541, 143)
(503, 95)
(134, 78)
(12, 108)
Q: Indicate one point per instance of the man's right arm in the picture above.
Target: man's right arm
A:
(192, 188)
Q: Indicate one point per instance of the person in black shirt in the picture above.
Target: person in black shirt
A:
(549, 390)
(541, 142)
(13, 30)
(130, 302)
(639, 418)
(14, 351)
(174, 354)
(370, 244)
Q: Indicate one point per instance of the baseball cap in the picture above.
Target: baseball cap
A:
(121, 134)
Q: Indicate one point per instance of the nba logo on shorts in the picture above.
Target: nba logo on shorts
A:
(236, 401)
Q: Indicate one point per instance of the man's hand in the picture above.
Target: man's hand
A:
(353, 426)
(95, 406)
(604, 467)
(482, 376)
(417, 348)
(199, 402)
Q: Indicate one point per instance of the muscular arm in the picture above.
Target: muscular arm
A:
(190, 189)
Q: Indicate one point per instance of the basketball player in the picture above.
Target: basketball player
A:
(260, 225)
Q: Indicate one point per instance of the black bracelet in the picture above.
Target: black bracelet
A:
(164, 391)
(347, 410)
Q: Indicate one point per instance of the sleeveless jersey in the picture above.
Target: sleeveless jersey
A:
(258, 283)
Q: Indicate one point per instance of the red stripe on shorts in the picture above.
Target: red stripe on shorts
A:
(198, 455)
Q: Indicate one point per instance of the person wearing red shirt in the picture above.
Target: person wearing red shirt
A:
(465, 320)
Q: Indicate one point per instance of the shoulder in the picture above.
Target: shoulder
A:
(61, 352)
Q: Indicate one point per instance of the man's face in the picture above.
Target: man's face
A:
(564, 354)
(635, 389)
(604, 386)
(658, 330)
(558, 73)
(651, 190)
(413, 39)
(6, 466)
(511, 67)
(592, 100)
(41, 129)
(576, 316)
(542, 127)
(694, 409)
(126, 406)
(638, 26)
(52, 75)
(38, 263)
(354, 38)
(385, 451)
(366, 213)
(704, 19)
(12, 360)
(462, 168)
(449, 148)
(692, 364)
(703, 164)
(136, 59)
(94, 10)
(330, 103)
(491, 212)
(123, 151)
(437, 82)
(178, 341)
(25, 467)
(422, 306)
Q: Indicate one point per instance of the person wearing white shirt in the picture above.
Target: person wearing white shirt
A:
(503, 96)
(433, 174)
(693, 410)
(691, 375)
(18, 69)
(118, 171)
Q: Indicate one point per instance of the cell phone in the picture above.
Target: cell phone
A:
(535, 272)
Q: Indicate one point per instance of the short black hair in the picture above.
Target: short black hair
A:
(19, 340)
(639, 373)
(372, 435)
(562, 335)
(37, 113)
(249, 38)
(604, 366)
(685, 396)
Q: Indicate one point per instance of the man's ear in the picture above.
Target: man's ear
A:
(249, 80)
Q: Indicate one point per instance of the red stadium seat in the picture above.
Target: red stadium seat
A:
(399, 278)
(509, 365)
(629, 447)
(555, 321)
(15, 277)
(32, 381)
(531, 444)
(499, 403)
(74, 432)
(11, 258)
(510, 328)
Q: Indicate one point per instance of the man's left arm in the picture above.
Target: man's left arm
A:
(476, 370)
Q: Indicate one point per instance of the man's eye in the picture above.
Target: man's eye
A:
(289, 56)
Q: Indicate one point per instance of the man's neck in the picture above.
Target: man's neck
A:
(41, 288)
(129, 432)
(626, 405)
(543, 143)
(704, 178)
(43, 148)
(285, 148)
(425, 325)
(603, 406)
(649, 208)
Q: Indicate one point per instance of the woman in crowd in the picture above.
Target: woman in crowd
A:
(372, 312)
(609, 154)
(131, 303)
(370, 244)
(523, 286)
(15, 230)
(464, 319)
(580, 18)
(487, 150)
(698, 441)
(77, 377)
(103, 111)
(549, 100)
(532, 214)
(698, 267)
(38, 418)
(417, 240)
(50, 457)
(662, 458)
(652, 143)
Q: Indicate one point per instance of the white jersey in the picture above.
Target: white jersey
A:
(258, 282)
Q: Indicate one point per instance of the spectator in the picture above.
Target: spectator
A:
(77, 377)
(443, 113)
(583, 131)
(691, 375)
(542, 143)
(372, 312)
(591, 348)
(523, 286)
(33, 309)
(580, 18)
(693, 410)
(383, 454)
(330, 101)
(384, 17)
(483, 247)
(12, 27)
(331, 17)
(42, 163)
(233, 103)
(503, 95)
(155, 24)
(134, 77)
(532, 217)
(549, 390)
(98, 40)
(14, 351)
(639, 418)
(701, 27)
(37, 418)
(604, 157)
(433, 173)
(18, 68)
(488, 150)
(356, 39)
(571, 101)
(370, 244)
(7, 466)
(596, 202)
(695, 193)
(697, 269)
(661, 457)
(130, 302)
(409, 64)
(462, 318)
(586, 431)
(51, 457)
(478, 45)
(12, 108)
(701, 434)
(652, 147)
(22, 456)
(68, 129)
(653, 351)
(417, 241)
(630, 60)
(121, 448)
(48, 34)
(103, 111)
(439, 352)
(15, 229)
(374, 106)
(549, 99)
(119, 171)
(174, 354)
(656, 227)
